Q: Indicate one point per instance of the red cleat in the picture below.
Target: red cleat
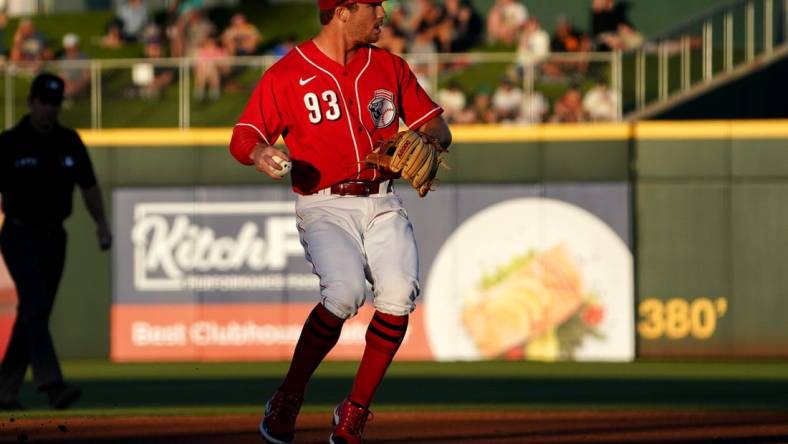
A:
(278, 424)
(349, 421)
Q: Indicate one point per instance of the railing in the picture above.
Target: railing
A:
(123, 93)
(695, 52)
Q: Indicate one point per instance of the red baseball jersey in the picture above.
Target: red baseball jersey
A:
(331, 116)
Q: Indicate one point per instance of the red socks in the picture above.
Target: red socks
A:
(384, 336)
(319, 335)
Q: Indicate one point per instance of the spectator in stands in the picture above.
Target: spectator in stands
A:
(397, 20)
(624, 39)
(434, 15)
(567, 39)
(286, 45)
(534, 108)
(467, 115)
(184, 7)
(429, 27)
(391, 41)
(189, 31)
(504, 21)
(209, 69)
(149, 78)
(149, 33)
(453, 100)
(241, 37)
(394, 36)
(610, 28)
(482, 106)
(30, 48)
(198, 28)
(600, 103)
(133, 17)
(533, 45)
(76, 79)
(3, 23)
(605, 17)
(413, 14)
(113, 38)
(569, 107)
(507, 101)
(423, 42)
(461, 27)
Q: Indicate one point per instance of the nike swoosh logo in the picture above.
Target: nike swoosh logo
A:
(303, 82)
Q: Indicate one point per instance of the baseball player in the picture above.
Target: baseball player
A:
(334, 99)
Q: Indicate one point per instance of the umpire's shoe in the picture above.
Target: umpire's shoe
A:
(12, 405)
(278, 424)
(349, 421)
(62, 395)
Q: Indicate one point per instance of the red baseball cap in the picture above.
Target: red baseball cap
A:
(325, 5)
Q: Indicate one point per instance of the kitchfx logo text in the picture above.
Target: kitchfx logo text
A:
(177, 248)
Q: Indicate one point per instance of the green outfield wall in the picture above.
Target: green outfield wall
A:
(710, 216)
(712, 240)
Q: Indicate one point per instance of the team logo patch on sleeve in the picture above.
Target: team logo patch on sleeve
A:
(382, 108)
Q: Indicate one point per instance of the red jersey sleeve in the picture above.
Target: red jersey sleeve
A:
(416, 106)
(262, 116)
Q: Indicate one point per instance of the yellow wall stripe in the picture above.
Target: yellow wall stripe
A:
(157, 137)
(539, 133)
(712, 129)
(647, 130)
(658, 130)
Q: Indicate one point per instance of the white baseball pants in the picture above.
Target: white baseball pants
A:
(350, 240)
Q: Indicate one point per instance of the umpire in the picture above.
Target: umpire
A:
(40, 162)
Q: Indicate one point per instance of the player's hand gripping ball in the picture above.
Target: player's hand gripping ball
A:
(413, 155)
(284, 163)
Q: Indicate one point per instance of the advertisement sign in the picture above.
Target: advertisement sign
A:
(7, 301)
(220, 274)
(546, 280)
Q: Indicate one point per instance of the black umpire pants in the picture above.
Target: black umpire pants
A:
(34, 256)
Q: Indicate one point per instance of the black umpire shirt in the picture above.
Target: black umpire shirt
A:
(38, 172)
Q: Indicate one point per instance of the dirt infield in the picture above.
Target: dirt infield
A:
(640, 427)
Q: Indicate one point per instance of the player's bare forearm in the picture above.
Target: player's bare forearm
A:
(262, 156)
(439, 129)
(249, 148)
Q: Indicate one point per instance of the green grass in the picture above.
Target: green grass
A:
(761, 370)
(225, 388)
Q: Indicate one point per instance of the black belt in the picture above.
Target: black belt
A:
(359, 188)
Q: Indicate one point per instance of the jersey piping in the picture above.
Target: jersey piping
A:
(358, 103)
(419, 120)
(256, 129)
(344, 104)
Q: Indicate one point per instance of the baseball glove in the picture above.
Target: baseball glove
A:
(413, 155)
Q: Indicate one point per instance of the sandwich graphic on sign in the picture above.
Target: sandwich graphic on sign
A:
(535, 307)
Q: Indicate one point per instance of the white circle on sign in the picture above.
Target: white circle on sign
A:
(495, 238)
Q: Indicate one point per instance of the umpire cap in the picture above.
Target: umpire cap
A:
(47, 88)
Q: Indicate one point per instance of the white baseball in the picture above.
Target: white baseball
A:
(285, 164)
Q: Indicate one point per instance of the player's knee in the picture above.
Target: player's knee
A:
(343, 298)
(396, 295)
